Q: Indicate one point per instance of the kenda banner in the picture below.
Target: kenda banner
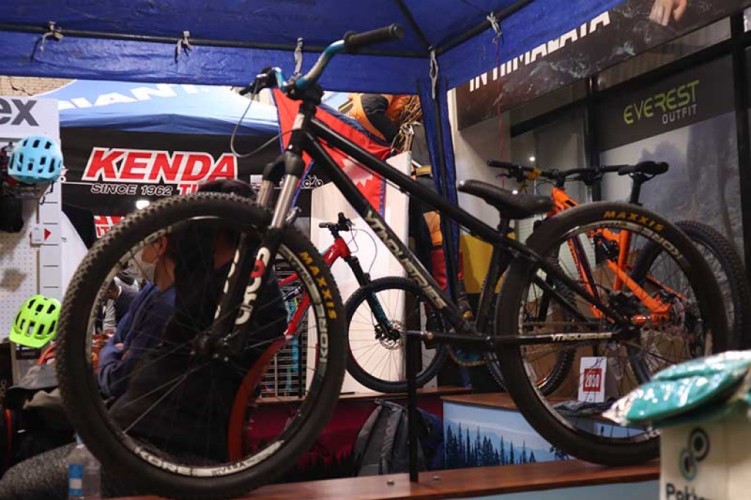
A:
(607, 39)
(108, 171)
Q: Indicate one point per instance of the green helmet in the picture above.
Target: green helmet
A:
(36, 322)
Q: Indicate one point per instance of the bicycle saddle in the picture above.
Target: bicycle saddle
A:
(513, 206)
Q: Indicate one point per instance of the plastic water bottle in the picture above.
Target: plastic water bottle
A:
(84, 473)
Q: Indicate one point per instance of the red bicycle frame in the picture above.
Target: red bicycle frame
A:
(337, 250)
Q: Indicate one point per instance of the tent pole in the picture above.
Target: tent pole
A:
(413, 23)
(499, 15)
(194, 41)
(450, 245)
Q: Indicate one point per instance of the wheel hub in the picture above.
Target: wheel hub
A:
(390, 338)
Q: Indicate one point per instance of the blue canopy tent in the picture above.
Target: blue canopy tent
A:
(167, 108)
(447, 42)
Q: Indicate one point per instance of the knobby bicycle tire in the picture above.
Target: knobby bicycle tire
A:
(115, 450)
(366, 376)
(546, 417)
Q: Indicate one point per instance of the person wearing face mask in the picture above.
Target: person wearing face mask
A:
(148, 406)
(142, 326)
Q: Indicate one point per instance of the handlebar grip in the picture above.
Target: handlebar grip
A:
(323, 225)
(503, 164)
(354, 41)
(646, 167)
(607, 169)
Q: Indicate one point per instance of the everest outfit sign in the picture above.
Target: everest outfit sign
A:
(709, 460)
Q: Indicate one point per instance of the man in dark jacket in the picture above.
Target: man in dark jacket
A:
(119, 297)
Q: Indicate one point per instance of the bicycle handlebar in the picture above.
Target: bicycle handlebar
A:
(355, 41)
(646, 167)
(351, 42)
(587, 175)
(342, 224)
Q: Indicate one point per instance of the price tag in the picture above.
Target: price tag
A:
(592, 379)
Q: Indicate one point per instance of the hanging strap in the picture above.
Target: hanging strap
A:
(183, 44)
(54, 32)
(496, 25)
(433, 73)
(298, 57)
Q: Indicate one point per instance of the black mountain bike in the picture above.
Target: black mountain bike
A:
(184, 385)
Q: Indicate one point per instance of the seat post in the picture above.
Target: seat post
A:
(637, 180)
(504, 225)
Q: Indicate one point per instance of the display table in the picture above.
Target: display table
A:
(524, 482)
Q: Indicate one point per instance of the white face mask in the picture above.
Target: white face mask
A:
(147, 270)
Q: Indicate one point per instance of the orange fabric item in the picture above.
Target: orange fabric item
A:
(433, 220)
(393, 112)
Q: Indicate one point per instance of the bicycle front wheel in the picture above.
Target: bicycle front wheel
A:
(176, 390)
(675, 318)
(378, 315)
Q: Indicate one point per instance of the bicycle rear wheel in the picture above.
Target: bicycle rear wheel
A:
(663, 326)
(727, 267)
(167, 429)
(377, 339)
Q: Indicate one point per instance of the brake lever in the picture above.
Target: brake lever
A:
(343, 223)
(260, 82)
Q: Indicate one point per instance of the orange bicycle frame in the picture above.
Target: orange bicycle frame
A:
(562, 201)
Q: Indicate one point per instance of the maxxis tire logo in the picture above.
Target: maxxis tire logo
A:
(696, 450)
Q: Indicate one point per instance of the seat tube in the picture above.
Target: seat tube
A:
(499, 261)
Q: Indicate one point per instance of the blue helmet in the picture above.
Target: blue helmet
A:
(35, 160)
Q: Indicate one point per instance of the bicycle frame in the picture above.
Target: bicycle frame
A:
(306, 134)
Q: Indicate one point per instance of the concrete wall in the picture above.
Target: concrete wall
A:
(26, 86)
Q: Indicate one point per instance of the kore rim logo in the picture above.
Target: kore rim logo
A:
(696, 450)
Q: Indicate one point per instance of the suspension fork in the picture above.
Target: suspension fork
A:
(248, 276)
(363, 279)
